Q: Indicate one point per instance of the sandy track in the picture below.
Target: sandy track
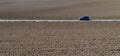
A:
(59, 9)
(60, 39)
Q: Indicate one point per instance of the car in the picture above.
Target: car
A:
(84, 18)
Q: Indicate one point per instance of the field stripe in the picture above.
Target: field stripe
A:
(95, 20)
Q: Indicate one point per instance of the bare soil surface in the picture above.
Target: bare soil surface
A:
(58, 9)
(60, 39)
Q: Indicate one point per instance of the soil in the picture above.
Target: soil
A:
(58, 9)
(60, 39)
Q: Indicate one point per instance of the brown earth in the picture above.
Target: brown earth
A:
(58, 9)
(60, 39)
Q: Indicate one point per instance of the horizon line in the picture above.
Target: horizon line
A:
(92, 20)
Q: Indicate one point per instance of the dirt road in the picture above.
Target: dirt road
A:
(60, 39)
(58, 9)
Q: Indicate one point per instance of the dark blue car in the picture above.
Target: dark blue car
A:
(84, 18)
